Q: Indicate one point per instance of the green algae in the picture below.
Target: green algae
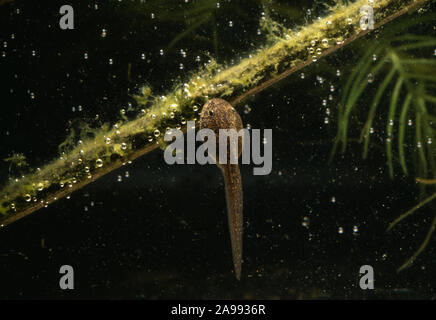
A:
(112, 146)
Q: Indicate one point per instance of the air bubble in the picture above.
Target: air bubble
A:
(306, 222)
(99, 163)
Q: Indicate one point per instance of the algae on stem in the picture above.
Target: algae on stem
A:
(110, 148)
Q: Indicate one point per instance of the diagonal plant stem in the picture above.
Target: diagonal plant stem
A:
(95, 158)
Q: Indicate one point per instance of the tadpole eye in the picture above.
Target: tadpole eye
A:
(210, 112)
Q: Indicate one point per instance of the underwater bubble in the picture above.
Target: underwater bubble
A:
(181, 66)
(99, 163)
(302, 76)
(156, 133)
(127, 174)
(103, 33)
(248, 126)
(391, 122)
(349, 21)
(410, 122)
(327, 111)
(370, 78)
(195, 108)
(319, 51)
(108, 140)
(429, 141)
(338, 72)
(434, 53)
(33, 53)
(320, 79)
(183, 120)
(374, 57)
(150, 138)
(152, 15)
(324, 102)
(326, 120)
(325, 42)
(27, 197)
(123, 146)
(217, 4)
(371, 130)
(305, 222)
(161, 52)
(143, 56)
(355, 229)
(120, 178)
(40, 186)
(332, 88)
(333, 199)
(5, 44)
(111, 61)
(230, 23)
(341, 230)
(247, 109)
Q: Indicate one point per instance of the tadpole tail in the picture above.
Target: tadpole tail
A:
(233, 186)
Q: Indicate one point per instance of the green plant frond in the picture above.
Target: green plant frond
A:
(368, 124)
(390, 124)
(401, 132)
(409, 212)
(202, 20)
(359, 72)
(408, 77)
(404, 85)
(421, 248)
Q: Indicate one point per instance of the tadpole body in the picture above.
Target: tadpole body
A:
(219, 114)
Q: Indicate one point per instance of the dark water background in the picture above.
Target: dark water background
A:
(162, 231)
